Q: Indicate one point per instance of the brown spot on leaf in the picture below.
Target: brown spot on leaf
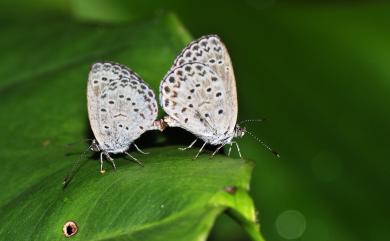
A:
(231, 189)
(45, 143)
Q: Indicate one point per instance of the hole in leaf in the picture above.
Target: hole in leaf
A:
(70, 229)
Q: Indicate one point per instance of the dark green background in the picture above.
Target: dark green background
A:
(320, 74)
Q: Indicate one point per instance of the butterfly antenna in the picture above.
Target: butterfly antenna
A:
(262, 143)
(253, 120)
(74, 168)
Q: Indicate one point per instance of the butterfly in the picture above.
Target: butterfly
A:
(121, 107)
(199, 94)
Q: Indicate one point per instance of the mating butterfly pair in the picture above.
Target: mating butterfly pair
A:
(198, 94)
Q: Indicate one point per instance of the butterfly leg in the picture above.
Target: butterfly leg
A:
(238, 149)
(200, 150)
(188, 147)
(102, 171)
(135, 159)
(215, 152)
(230, 148)
(138, 149)
(110, 159)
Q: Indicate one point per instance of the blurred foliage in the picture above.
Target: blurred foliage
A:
(319, 73)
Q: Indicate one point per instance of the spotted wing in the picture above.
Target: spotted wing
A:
(196, 97)
(120, 106)
(211, 51)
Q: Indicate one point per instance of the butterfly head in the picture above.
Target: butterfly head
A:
(239, 131)
(94, 146)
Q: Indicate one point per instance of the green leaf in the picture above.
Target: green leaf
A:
(34, 8)
(43, 107)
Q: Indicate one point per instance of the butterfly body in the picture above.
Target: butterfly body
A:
(199, 92)
(121, 107)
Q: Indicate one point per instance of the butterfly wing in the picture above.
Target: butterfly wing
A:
(211, 51)
(196, 97)
(120, 106)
